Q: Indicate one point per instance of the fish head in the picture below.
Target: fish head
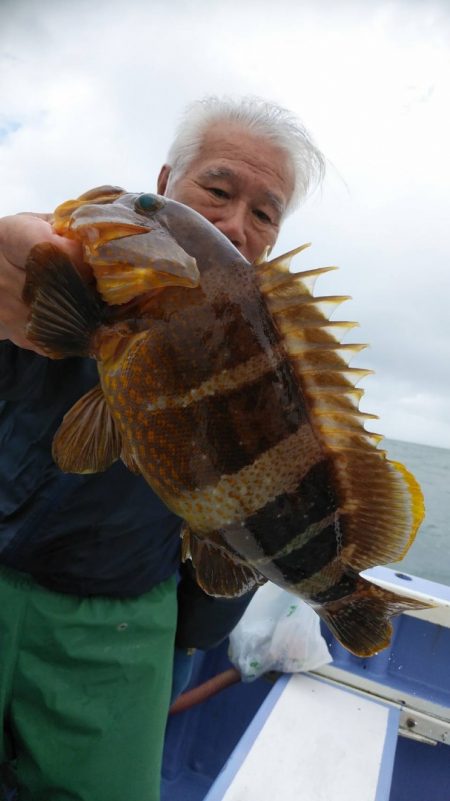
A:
(127, 242)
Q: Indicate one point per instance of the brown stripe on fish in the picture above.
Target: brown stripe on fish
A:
(211, 437)
(310, 534)
(221, 383)
(322, 580)
(310, 551)
(347, 584)
(236, 496)
(292, 516)
(191, 343)
(304, 562)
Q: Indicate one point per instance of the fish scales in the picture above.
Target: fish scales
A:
(224, 385)
(198, 384)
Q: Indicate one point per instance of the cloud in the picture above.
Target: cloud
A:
(91, 94)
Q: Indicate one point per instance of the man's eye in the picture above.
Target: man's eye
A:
(262, 216)
(217, 192)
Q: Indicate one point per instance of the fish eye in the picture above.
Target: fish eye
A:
(148, 203)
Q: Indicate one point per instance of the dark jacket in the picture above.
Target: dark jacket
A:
(104, 534)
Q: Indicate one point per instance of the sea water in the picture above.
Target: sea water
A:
(429, 555)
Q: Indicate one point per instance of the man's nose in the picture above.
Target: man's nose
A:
(232, 223)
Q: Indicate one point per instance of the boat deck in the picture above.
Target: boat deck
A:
(411, 679)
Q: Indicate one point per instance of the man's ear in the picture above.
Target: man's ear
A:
(163, 177)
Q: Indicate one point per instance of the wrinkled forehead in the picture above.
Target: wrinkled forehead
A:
(234, 178)
(233, 152)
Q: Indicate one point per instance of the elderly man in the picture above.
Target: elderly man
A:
(88, 598)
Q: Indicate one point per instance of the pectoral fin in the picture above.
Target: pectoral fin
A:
(218, 572)
(88, 440)
(129, 459)
(64, 311)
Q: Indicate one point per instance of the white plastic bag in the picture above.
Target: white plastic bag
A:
(278, 632)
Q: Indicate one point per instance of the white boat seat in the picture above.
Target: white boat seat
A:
(312, 741)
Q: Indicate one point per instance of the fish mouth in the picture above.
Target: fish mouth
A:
(131, 252)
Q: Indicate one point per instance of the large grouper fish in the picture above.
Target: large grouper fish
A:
(227, 387)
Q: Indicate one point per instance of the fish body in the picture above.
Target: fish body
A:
(226, 386)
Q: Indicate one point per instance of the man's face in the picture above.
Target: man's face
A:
(239, 182)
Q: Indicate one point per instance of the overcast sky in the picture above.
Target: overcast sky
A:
(90, 93)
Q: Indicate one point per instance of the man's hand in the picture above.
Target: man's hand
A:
(18, 234)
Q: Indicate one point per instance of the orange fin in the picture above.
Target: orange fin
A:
(129, 460)
(313, 346)
(88, 440)
(381, 504)
(64, 311)
(361, 621)
(382, 507)
(218, 572)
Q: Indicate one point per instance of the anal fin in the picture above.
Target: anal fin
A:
(218, 572)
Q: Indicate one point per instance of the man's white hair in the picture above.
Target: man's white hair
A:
(261, 118)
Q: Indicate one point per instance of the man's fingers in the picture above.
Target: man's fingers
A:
(18, 235)
(29, 230)
(47, 217)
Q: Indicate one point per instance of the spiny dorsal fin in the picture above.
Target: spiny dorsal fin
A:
(262, 259)
(288, 308)
(331, 402)
(323, 356)
(280, 263)
(88, 440)
(281, 283)
(317, 377)
(378, 497)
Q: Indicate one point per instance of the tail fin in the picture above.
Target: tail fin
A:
(64, 311)
(361, 621)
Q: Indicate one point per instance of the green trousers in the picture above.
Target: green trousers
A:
(84, 691)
